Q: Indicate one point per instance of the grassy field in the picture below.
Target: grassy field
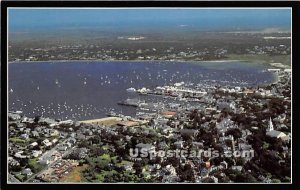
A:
(262, 58)
(108, 121)
(35, 165)
(20, 177)
(17, 140)
(75, 175)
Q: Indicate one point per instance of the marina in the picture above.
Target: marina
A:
(92, 90)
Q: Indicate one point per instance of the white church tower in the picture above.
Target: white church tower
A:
(270, 126)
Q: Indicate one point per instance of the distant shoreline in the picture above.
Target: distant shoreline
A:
(281, 66)
(100, 60)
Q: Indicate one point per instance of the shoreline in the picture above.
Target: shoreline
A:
(273, 65)
(98, 60)
(165, 61)
(276, 65)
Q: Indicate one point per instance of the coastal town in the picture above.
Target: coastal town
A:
(155, 95)
(251, 123)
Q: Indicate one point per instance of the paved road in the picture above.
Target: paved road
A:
(46, 153)
(12, 179)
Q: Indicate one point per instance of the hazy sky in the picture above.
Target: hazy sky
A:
(28, 19)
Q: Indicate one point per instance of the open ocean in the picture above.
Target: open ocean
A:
(90, 89)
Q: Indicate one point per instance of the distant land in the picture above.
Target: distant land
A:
(266, 47)
(261, 35)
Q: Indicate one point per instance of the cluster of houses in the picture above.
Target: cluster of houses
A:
(95, 52)
(185, 125)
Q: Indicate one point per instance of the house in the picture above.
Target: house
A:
(161, 121)
(189, 132)
(54, 133)
(128, 138)
(238, 168)
(171, 170)
(248, 91)
(45, 141)
(277, 134)
(128, 166)
(179, 144)
(27, 120)
(246, 132)
(34, 144)
(214, 168)
(13, 116)
(54, 141)
(35, 134)
(19, 154)
(27, 130)
(24, 136)
(68, 145)
(27, 171)
(44, 162)
(209, 110)
(244, 146)
(145, 147)
(286, 138)
(36, 153)
(48, 144)
(197, 144)
(13, 162)
(21, 125)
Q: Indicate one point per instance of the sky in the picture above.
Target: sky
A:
(214, 19)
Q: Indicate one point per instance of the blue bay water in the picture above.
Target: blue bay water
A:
(90, 89)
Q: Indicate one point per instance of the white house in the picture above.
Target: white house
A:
(33, 144)
(27, 171)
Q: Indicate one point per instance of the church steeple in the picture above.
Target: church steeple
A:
(270, 126)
